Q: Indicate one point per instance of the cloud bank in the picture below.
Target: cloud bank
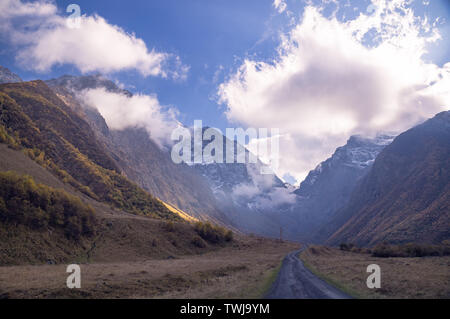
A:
(332, 79)
(261, 193)
(45, 39)
(121, 111)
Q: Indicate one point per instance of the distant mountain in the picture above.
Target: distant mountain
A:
(138, 156)
(6, 76)
(251, 200)
(405, 197)
(328, 187)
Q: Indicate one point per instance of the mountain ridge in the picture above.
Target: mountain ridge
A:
(406, 195)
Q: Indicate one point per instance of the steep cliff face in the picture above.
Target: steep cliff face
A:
(406, 195)
(328, 187)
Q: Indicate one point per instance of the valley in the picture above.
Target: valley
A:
(131, 256)
(75, 190)
(244, 269)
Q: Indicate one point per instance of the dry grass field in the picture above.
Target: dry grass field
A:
(241, 270)
(131, 256)
(420, 277)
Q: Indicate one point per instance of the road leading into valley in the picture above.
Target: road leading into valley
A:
(295, 281)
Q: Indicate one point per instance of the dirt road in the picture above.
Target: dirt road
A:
(295, 281)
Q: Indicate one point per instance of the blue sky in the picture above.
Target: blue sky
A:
(212, 38)
(206, 35)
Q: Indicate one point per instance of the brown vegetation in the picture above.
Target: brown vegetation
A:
(119, 235)
(240, 270)
(425, 277)
(410, 250)
(213, 233)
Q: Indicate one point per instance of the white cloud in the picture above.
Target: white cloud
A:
(279, 5)
(332, 79)
(12, 8)
(46, 40)
(256, 198)
(262, 192)
(138, 111)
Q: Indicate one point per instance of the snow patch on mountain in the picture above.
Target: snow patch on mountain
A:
(359, 152)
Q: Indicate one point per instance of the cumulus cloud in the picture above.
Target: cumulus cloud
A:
(46, 39)
(333, 78)
(121, 111)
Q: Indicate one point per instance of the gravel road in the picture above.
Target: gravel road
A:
(295, 281)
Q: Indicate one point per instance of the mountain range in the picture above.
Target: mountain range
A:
(372, 189)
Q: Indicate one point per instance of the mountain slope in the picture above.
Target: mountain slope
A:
(119, 236)
(406, 195)
(328, 187)
(138, 156)
(34, 118)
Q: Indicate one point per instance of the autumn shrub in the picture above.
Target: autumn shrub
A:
(198, 242)
(346, 247)
(25, 202)
(169, 226)
(213, 233)
(410, 250)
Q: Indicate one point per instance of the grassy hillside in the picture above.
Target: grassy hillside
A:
(40, 223)
(118, 237)
(180, 213)
(34, 119)
(415, 278)
(24, 202)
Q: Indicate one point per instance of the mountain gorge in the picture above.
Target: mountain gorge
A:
(328, 187)
(370, 190)
(250, 197)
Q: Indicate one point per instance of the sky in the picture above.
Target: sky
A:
(320, 71)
